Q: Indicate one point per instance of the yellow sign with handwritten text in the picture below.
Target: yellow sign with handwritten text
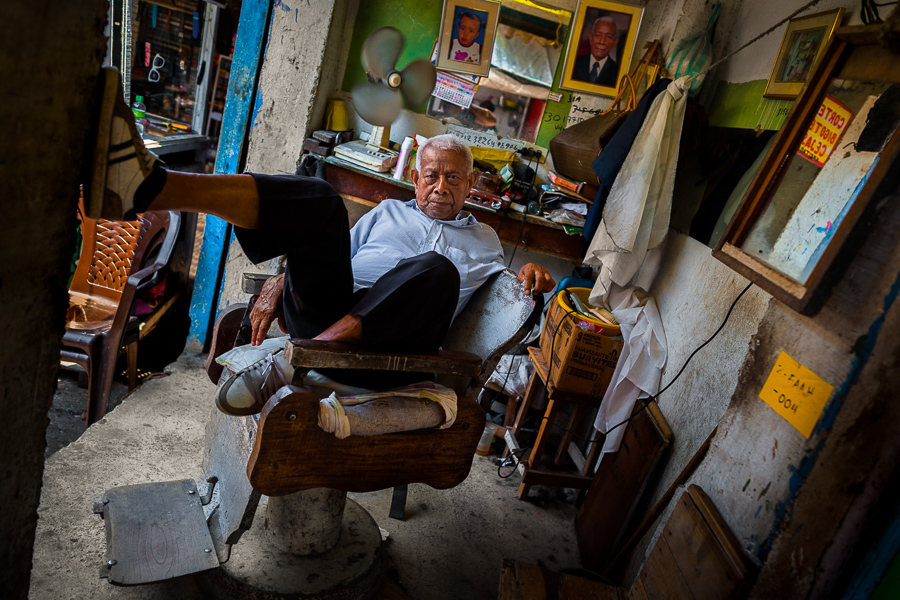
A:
(796, 393)
(825, 131)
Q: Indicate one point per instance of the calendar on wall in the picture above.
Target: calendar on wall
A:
(454, 89)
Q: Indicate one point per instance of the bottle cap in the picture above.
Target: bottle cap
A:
(138, 98)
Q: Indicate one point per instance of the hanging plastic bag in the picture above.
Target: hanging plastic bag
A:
(693, 54)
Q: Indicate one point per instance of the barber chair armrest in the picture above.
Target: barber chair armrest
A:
(315, 354)
(252, 283)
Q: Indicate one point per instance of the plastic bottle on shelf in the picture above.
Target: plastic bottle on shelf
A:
(406, 148)
(140, 112)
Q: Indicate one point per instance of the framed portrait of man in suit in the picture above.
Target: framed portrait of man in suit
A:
(600, 47)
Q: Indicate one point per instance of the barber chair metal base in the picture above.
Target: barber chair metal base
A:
(258, 569)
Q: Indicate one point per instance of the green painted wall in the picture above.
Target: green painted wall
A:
(556, 114)
(419, 22)
(742, 105)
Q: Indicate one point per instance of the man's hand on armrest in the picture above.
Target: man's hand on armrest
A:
(535, 278)
(268, 307)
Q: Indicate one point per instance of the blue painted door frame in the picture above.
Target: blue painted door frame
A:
(236, 122)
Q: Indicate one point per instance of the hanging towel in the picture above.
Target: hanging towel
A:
(607, 164)
(639, 370)
(636, 216)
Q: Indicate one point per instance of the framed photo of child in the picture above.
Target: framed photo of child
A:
(600, 46)
(468, 28)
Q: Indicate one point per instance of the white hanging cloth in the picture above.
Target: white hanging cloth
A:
(636, 215)
(639, 370)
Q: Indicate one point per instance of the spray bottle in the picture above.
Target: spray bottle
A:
(406, 148)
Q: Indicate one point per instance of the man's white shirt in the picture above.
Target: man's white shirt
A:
(395, 230)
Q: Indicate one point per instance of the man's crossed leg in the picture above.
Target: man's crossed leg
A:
(409, 309)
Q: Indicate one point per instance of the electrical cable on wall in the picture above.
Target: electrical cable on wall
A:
(645, 402)
(806, 6)
(868, 11)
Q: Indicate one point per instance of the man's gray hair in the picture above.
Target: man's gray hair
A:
(608, 21)
(449, 142)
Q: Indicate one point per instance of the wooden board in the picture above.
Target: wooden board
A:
(696, 557)
(637, 591)
(292, 453)
(660, 577)
(617, 486)
(314, 354)
(568, 480)
(155, 531)
(521, 581)
(731, 547)
(709, 570)
(229, 443)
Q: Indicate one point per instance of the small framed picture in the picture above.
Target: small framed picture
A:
(600, 47)
(467, 36)
(803, 43)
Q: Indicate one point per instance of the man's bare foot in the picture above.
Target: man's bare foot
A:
(347, 329)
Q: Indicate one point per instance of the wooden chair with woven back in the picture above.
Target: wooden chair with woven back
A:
(119, 261)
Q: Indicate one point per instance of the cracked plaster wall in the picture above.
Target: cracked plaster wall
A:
(303, 64)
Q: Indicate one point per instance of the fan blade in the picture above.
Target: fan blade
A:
(419, 77)
(381, 51)
(376, 103)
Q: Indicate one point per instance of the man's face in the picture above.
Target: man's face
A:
(468, 30)
(442, 185)
(604, 38)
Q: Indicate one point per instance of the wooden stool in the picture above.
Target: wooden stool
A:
(531, 475)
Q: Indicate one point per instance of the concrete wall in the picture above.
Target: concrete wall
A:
(48, 64)
(302, 67)
(798, 506)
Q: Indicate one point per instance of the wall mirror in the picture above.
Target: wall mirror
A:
(817, 190)
(511, 101)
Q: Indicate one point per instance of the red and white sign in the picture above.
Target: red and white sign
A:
(825, 130)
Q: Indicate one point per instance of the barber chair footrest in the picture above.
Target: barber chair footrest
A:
(154, 532)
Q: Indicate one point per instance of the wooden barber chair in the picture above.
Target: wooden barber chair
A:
(281, 468)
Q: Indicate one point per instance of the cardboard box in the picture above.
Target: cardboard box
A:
(578, 361)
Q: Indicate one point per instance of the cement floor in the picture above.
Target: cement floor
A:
(449, 547)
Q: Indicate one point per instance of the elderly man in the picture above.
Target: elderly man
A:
(597, 66)
(394, 282)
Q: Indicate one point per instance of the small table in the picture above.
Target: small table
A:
(532, 475)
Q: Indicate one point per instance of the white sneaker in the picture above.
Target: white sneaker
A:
(121, 162)
(244, 392)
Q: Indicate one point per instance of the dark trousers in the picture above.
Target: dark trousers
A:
(409, 309)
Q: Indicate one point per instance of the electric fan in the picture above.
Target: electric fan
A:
(380, 100)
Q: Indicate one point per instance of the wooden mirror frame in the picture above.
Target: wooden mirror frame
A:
(854, 53)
